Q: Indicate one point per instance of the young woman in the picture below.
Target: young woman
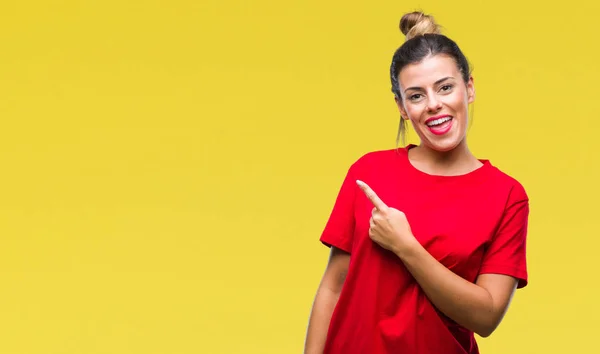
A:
(427, 242)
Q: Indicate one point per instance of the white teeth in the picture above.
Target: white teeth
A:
(438, 121)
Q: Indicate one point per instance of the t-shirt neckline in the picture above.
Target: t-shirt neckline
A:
(486, 165)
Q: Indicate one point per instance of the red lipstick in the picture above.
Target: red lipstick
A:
(440, 125)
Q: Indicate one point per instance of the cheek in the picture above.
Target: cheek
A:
(459, 101)
(414, 112)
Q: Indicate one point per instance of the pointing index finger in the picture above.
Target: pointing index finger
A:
(377, 203)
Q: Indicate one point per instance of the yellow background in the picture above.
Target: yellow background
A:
(167, 166)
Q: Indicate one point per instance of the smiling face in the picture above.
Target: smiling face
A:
(435, 99)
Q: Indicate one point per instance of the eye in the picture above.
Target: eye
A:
(446, 88)
(415, 96)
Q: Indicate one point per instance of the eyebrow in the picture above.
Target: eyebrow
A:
(436, 83)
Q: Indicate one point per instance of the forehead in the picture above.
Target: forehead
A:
(428, 71)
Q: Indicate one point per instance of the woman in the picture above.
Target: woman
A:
(427, 242)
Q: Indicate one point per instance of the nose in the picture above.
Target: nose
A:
(434, 104)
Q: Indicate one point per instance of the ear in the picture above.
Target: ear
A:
(470, 90)
(401, 107)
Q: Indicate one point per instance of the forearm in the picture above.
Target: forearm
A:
(468, 304)
(324, 304)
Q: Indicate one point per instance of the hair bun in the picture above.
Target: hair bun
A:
(414, 24)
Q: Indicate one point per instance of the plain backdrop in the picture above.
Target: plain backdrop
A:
(167, 167)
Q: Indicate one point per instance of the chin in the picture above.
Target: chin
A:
(446, 142)
(443, 148)
(444, 145)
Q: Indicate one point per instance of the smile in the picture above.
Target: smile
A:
(438, 121)
(440, 125)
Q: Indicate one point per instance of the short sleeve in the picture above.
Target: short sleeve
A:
(339, 229)
(506, 254)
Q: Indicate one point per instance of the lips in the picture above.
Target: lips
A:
(440, 125)
(438, 119)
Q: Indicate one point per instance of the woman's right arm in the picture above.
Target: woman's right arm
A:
(327, 297)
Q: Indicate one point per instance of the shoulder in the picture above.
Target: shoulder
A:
(511, 186)
(376, 158)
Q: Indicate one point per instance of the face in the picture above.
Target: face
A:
(435, 99)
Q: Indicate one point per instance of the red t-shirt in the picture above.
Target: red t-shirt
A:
(473, 224)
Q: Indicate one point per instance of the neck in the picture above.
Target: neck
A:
(459, 160)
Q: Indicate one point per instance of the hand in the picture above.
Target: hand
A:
(388, 226)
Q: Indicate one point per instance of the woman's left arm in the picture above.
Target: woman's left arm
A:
(478, 307)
